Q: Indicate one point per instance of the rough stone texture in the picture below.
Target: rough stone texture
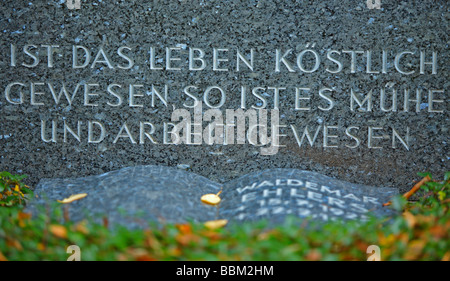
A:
(262, 25)
(277, 193)
(133, 196)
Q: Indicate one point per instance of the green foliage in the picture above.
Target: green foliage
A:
(419, 232)
(12, 190)
(435, 193)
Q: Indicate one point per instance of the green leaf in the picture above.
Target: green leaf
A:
(441, 195)
(447, 176)
(399, 203)
(26, 191)
(425, 174)
(18, 178)
(5, 174)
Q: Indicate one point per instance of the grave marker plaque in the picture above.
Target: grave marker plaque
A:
(132, 196)
(277, 193)
(354, 90)
(135, 196)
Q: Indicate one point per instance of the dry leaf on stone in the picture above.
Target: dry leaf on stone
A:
(72, 198)
(211, 199)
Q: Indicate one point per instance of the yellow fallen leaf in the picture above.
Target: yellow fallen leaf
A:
(2, 257)
(446, 256)
(313, 255)
(72, 198)
(14, 243)
(184, 228)
(23, 217)
(216, 224)
(81, 227)
(410, 219)
(211, 199)
(58, 230)
(40, 246)
(386, 241)
(414, 249)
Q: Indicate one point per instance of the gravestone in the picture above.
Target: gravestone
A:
(356, 90)
(136, 196)
(276, 194)
(132, 196)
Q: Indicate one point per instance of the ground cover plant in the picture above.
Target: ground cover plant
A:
(419, 231)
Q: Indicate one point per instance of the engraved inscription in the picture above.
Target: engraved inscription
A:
(303, 198)
(206, 118)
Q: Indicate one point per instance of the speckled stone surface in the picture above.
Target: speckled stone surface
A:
(132, 196)
(265, 26)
